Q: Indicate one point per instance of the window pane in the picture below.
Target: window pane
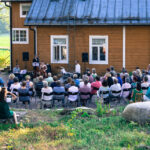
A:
(98, 41)
(102, 53)
(59, 41)
(56, 53)
(63, 53)
(13, 36)
(25, 9)
(23, 35)
(94, 53)
(17, 35)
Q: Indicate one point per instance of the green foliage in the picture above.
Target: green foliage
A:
(77, 131)
(102, 110)
(4, 58)
(4, 18)
(4, 41)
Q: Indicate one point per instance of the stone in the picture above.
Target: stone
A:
(137, 112)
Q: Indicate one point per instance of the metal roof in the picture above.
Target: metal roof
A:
(89, 12)
(16, 0)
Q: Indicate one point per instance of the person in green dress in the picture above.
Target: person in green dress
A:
(5, 112)
(138, 89)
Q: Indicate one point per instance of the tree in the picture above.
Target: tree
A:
(4, 18)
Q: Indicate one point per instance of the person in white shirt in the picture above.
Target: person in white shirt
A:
(126, 88)
(73, 89)
(15, 86)
(77, 68)
(145, 85)
(46, 91)
(115, 87)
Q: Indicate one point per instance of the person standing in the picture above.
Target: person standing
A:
(77, 68)
(35, 64)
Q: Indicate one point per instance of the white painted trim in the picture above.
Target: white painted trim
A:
(67, 45)
(23, 4)
(36, 40)
(27, 35)
(90, 49)
(124, 46)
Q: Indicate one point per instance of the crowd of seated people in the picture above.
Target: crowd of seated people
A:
(112, 85)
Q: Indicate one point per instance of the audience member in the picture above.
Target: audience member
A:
(85, 92)
(109, 79)
(48, 90)
(119, 79)
(104, 92)
(24, 94)
(49, 79)
(126, 89)
(10, 81)
(73, 89)
(76, 80)
(54, 83)
(59, 93)
(15, 86)
(1, 82)
(39, 86)
(145, 85)
(5, 112)
(115, 89)
(146, 97)
(95, 86)
(138, 89)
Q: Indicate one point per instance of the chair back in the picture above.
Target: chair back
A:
(139, 97)
(116, 92)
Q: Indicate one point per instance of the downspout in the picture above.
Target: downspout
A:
(11, 50)
(34, 32)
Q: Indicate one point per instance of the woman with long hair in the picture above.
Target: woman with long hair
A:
(5, 112)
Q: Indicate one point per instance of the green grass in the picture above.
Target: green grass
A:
(80, 130)
(4, 41)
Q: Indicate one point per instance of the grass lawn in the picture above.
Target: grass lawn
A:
(4, 41)
(78, 130)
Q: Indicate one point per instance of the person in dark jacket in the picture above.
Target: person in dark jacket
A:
(24, 94)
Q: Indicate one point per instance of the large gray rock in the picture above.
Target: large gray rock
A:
(138, 112)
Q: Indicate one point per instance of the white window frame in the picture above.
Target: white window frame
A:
(90, 49)
(27, 36)
(23, 4)
(52, 37)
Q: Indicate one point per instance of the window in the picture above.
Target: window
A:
(98, 49)
(24, 9)
(59, 49)
(20, 36)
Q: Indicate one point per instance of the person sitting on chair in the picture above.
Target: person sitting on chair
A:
(146, 97)
(126, 89)
(104, 92)
(95, 86)
(49, 79)
(47, 93)
(136, 91)
(1, 82)
(115, 89)
(5, 113)
(59, 93)
(145, 85)
(72, 92)
(85, 92)
(10, 81)
(24, 94)
(39, 86)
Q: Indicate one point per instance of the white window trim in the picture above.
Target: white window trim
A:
(67, 46)
(90, 49)
(22, 4)
(21, 42)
